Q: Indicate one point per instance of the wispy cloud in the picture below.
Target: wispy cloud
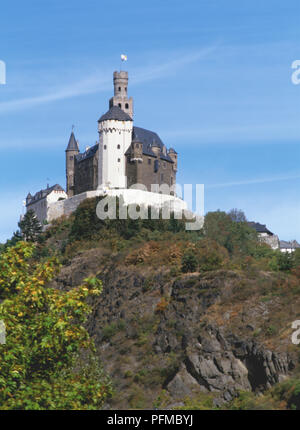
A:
(256, 181)
(100, 81)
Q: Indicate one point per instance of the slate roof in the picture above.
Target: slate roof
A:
(288, 245)
(115, 113)
(87, 154)
(72, 145)
(149, 139)
(146, 137)
(43, 193)
(260, 228)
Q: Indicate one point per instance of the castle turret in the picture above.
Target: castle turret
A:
(115, 133)
(173, 155)
(71, 151)
(137, 157)
(120, 97)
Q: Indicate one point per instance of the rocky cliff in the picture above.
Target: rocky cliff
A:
(165, 337)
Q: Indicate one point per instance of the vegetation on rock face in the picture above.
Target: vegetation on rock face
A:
(162, 286)
(45, 338)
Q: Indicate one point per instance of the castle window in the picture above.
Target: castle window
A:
(120, 105)
(104, 146)
(156, 166)
(162, 177)
(119, 88)
(118, 146)
(119, 160)
(149, 161)
(126, 106)
(71, 157)
(125, 88)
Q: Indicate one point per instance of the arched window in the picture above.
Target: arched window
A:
(119, 88)
(104, 146)
(126, 106)
(118, 146)
(119, 160)
(120, 105)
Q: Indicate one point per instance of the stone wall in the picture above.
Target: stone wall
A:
(86, 174)
(130, 196)
(141, 169)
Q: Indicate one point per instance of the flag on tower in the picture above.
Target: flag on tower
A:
(123, 57)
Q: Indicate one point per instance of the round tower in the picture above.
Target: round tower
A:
(173, 155)
(115, 133)
(120, 97)
(71, 152)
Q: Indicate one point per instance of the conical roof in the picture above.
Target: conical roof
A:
(72, 145)
(115, 113)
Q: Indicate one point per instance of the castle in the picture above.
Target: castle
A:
(124, 156)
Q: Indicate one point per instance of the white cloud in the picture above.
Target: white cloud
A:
(100, 81)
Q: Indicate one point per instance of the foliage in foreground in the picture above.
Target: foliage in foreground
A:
(41, 361)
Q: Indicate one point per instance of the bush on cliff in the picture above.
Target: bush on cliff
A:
(40, 361)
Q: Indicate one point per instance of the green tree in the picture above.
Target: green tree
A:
(236, 236)
(189, 262)
(30, 226)
(41, 364)
(237, 215)
(296, 257)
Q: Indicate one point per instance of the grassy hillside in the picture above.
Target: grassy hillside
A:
(185, 319)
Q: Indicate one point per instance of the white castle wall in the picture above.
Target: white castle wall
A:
(42, 206)
(113, 133)
(130, 196)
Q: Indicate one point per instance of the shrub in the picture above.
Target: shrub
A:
(189, 262)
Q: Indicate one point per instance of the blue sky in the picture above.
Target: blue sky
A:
(213, 78)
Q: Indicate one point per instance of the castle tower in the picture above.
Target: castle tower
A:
(115, 133)
(173, 155)
(120, 97)
(71, 151)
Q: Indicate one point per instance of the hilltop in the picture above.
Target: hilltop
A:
(185, 319)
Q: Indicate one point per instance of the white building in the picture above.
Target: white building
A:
(265, 235)
(288, 246)
(42, 200)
